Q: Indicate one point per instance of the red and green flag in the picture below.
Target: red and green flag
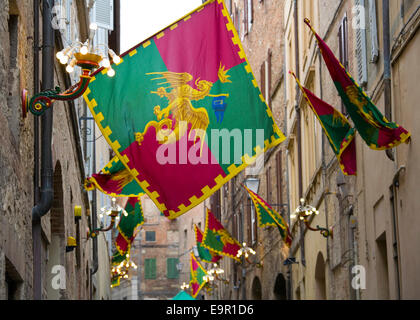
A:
(377, 131)
(128, 225)
(184, 106)
(337, 128)
(205, 254)
(117, 258)
(217, 239)
(114, 180)
(267, 216)
(196, 277)
(115, 281)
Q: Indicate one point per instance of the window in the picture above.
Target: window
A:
(229, 6)
(236, 20)
(268, 184)
(171, 270)
(361, 50)
(279, 178)
(216, 205)
(150, 236)
(150, 268)
(104, 14)
(343, 49)
(265, 78)
(13, 40)
(248, 16)
(248, 216)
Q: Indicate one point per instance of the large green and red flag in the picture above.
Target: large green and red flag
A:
(184, 113)
(267, 216)
(337, 128)
(114, 180)
(217, 239)
(196, 277)
(377, 131)
(205, 254)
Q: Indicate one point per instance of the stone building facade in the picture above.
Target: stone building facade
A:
(375, 230)
(64, 275)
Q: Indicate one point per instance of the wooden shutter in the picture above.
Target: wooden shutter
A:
(279, 179)
(262, 81)
(268, 89)
(171, 270)
(374, 55)
(150, 268)
(361, 50)
(104, 14)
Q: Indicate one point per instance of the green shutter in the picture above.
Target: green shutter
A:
(150, 268)
(172, 272)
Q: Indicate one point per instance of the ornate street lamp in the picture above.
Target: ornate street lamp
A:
(77, 54)
(123, 268)
(246, 252)
(185, 286)
(304, 211)
(113, 211)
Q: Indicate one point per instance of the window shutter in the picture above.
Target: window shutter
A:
(374, 55)
(262, 84)
(250, 14)
(268, 85)
(171, 270)
(150, 268)
(343, 50)
(279, 179)
(361, 51)
(104, 14)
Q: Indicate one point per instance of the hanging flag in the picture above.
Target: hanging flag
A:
(206, 255)
(336, 127)
(373, 127)
(117, 258)
(128, 224)
(196, 276)
(114, 180)
(175, 103)
(267, 216)
(115, 281)
(217, 239)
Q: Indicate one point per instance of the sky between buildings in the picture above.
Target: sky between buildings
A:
(141, 19)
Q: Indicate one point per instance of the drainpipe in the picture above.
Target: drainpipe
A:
(46, 194)
(387, 67)
(299, 129)
(94, 218)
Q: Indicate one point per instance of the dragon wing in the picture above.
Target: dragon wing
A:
(174, 79)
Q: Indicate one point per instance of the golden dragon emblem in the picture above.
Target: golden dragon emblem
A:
(180, 94)
(224, 236)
